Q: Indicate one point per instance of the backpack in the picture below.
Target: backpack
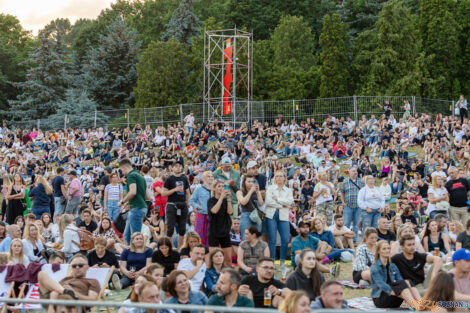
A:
(86, 240)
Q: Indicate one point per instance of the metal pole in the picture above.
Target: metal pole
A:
(96, 113)
(355, 108)
(181, 114)
(128, 118)
(39, 124)
(453, 108)
(413, 101)
(293, 109)
(145, 118)
(204, 102)
(234, 79)
(65, 122)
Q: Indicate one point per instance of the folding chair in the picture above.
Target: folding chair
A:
(6, 289)
(102, 275)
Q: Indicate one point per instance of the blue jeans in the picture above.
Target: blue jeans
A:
(396, 189)
(245, 222)
(59, 208)
(38, 211)
(134, 222)
(370, 219)
(113, 209)
(274, 225)
(352, 215)
(335, 254)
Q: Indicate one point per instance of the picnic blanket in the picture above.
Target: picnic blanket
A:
(363, 304)
(351, 284)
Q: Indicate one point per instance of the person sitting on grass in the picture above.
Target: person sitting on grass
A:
(344, 237)
(325, 251)
(364, 259)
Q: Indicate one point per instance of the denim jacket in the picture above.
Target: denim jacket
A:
(195, 297)
(211, 280)
(378, 274)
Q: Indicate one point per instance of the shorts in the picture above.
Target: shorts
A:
(357, 276)
(224, 242)
(388, 301)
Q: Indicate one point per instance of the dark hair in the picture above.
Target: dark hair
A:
(315, 276)
(171, 282)
(441, 288)
(60, 170)
(243, 185)
(235, 277)
(165, 241)
(145, 169)
(254, 231)
(327, 284)
(101, 230)
(125, 162)
(55, 256)
(337, 216)
(211, 255)
(264, 259)
(403, 239)
(439, 216)
(86, 211)
(468, 223)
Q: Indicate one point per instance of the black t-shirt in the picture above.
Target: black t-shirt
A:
(90, 227)
(261, 181)
(168, 262)
(410, 218)
(411, 269)
(389, 236)
(400, 169)
(423, 190)
(57, 182)
(170, 183)
(108, 258)
(220, 223)
(464, 239)
(258, 287)
(104, 181)
(458, 192)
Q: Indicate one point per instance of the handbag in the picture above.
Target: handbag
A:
(256, 216)
(120, 221)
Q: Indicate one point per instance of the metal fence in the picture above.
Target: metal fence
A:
(265, 111)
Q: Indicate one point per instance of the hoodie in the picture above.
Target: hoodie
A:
(299, 281)
(318, 304)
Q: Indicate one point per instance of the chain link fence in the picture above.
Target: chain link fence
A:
(263, 111)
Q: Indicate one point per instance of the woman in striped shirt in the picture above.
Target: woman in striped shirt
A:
(112, 196)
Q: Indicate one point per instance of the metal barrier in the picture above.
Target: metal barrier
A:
(263, 111)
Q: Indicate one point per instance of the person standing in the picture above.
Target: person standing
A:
(41, 195)
(323, 195)
(348, 195)
(176, 188)
(189, 122)
(136, 195)
(59, 192)
(199, 202)
(15, 196)
(458, 189)
(74, 194)
(232, 178)
(463, 108)
(112, 195)
(371, 201)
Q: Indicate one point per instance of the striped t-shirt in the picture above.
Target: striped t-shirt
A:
(113, 191)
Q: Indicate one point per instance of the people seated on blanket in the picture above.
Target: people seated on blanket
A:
(227, 294)
(263, 283)
(331, 297)
(411, 263)
(307, 276)
(405, 230)
(134, 259)
(194, 267)
(463, 239)
(73, 287)
(365, 255)
(383, 230)
(344, 237)
(435, 241)
(326, 251)
(389, 289)
(13, 231)
(306, 240)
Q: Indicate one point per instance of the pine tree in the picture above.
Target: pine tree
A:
(109, 70)
(80, 111)
(359, 15)
(183, 24)
(334, 60)
(46, 81)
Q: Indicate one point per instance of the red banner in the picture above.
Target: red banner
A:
(227, 108)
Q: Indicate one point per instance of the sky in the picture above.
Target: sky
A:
(35, 14)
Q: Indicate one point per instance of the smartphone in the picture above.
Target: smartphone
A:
(227, 187)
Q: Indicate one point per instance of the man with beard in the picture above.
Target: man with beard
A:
(227, 291)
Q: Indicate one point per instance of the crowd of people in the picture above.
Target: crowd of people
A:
(262, 215)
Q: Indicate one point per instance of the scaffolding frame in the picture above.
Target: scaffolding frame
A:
(241, 89)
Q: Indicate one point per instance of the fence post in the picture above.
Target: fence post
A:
(293, 109)
(39, 124)
(145, 118)
(181, 114)
(128, 118)
(95, 119)
(355, 107)
(65, 122)
(453, 108)
(413, 100)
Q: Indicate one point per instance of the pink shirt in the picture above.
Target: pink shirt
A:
(75, 183)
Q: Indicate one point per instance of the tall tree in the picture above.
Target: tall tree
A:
(334, 61)
(441, 46)
(359, 15)
(46, 81)
(109, 70)
(164, 75)
(394, 59)
(183, 24)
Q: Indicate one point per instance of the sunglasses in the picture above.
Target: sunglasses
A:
(80, 265)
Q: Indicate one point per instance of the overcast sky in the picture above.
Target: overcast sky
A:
(35, 14)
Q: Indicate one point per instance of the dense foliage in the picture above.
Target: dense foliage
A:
(147, 53)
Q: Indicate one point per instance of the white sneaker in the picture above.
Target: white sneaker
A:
(116, 282)
(364, 283)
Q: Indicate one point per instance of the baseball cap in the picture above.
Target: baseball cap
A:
(461, 254)
(302, 223)
(226, 161)
(251, 164)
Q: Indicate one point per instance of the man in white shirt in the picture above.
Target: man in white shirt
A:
(344, 237)
(189, 122)
(194, 266)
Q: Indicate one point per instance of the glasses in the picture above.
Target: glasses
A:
(80, 265)
(267, 268)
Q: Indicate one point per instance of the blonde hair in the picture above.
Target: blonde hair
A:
(283, 174)
(214, 185)
(26, 231)
(290, 302)
(377, 250)
(65, 220)
(42, 180)
(3, 258)
(434, 181)
(132, 247)
(11, 257)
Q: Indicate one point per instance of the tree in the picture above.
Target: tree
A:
(46, 81)
(183, 24)
(164, 75)
(80, 111)
(393, 61)
(441, 46)
(360, 15)
(334, 61)
(109, 70)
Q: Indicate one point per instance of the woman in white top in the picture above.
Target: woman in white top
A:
(438, 197)
(16, 253)
(371, 201)
(33, 244)
(385, 189)
(278, 200)
(323, 194)
(69, 236)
